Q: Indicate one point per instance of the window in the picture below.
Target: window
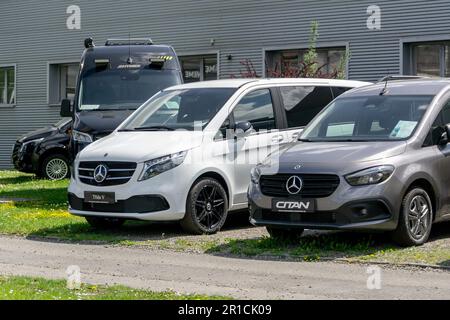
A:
(302, 104)
(284, 63)
(7, 85)
(437, 128)
(62, 82)
(199, 68)
(256, 108)
(430, 59)
(369, 118)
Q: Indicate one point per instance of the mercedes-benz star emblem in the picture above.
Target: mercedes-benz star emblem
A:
(294, 185)
(100, 173)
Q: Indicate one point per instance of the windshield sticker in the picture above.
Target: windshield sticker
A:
(403, 129)
(90, 106)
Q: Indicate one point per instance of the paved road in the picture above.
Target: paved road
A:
(207, 274)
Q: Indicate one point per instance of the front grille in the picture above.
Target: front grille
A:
(118, 172)
(314, 185)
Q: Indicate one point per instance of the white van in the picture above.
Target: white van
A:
(186, 154)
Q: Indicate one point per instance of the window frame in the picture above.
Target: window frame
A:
(305, 46)
(200, 55)
(7, 66)
(58, 64)
(277, 112)
(406, 44)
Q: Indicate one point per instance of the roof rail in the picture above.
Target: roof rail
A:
(130, 41)
(401, 77)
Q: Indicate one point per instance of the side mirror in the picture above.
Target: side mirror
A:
(444, 140)
(243, 128)
(66, 108)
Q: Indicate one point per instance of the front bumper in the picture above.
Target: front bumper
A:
(348, 208)
(161, 198)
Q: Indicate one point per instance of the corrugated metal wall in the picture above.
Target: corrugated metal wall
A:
(32, 33)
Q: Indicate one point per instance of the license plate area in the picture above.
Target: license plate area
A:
(294, 205)
(100, 197)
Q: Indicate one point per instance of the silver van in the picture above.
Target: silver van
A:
(376, 158)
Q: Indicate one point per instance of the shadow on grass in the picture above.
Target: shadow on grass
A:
(18, 179)
(38, 197)
(130, 231)
(329, 245)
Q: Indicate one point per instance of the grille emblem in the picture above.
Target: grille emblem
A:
(100, 173)
(294, 185)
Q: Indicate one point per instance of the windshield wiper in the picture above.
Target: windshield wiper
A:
(304, 140)
(154, 128)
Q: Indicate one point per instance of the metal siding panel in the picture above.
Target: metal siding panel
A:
(33, 33)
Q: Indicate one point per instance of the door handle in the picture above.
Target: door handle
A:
(277, 139)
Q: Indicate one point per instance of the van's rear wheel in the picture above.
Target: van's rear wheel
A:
(416, 218)
(105, 223)
(285, 234)
(206, 207)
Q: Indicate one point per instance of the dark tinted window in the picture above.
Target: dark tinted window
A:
(302, 104)
(257, 108)
(337, 91)
(437, 129)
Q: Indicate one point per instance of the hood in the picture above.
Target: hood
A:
(100, 122)
(140, 146)
(38, 134)
(334, 156)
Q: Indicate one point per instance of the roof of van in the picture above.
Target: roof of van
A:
(124, 49)
(404, 87)
(237, 83)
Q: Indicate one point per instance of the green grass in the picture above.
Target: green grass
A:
(26, 288)
(45, 215)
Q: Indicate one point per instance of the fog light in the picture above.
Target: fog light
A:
(364, 212)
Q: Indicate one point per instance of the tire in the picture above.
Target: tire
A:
(285, 234)
(105, 223)
(55, 167)
(410, 230)
(206, 207)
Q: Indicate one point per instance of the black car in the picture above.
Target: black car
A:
(44, 151)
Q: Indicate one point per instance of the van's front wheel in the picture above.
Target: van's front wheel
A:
(206, 207)
(416, 218)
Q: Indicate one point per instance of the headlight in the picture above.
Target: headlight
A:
(370, 176)
(81, 137)
(26, 144)
(255, 174)
(159, 165)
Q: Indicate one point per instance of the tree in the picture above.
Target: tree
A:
(308, 68)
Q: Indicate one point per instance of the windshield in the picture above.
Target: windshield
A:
(374, 118)
(179, 109)
(122, 88)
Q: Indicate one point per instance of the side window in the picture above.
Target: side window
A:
(437, 128)
(337, 91)
(256, 108)
(302, 104)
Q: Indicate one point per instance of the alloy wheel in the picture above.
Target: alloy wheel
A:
(418, 218)
(56, 169)
(209, 207)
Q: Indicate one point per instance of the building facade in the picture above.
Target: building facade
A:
(41, 43)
